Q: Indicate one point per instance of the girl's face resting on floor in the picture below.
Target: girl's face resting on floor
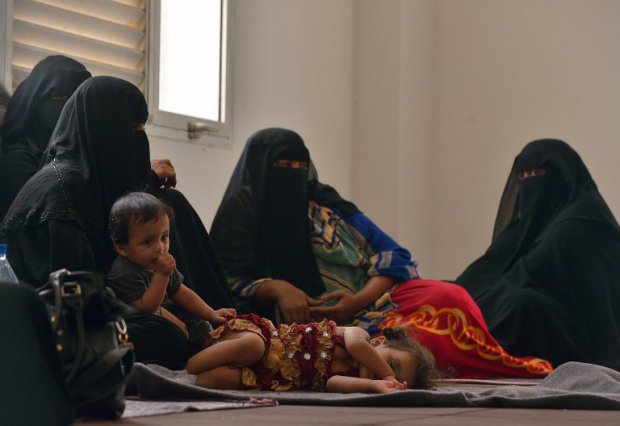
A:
(146, 242)
(401, 362)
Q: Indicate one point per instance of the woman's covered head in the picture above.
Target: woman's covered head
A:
(267, 152)
(550, 175)
(550, 171)
(97, 134)
(262, 223)
(37, 102)
(547, 176)
(543, 154)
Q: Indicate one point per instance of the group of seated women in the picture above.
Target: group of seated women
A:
(290, 248)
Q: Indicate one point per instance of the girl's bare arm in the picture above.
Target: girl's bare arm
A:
(345, 384)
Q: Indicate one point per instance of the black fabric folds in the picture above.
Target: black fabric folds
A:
(93, 157)
(30, 118)
(550, 281)
(59, 218)
(191, 246)
(33, 390)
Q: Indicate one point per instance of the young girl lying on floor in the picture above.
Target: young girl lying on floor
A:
(249, 352)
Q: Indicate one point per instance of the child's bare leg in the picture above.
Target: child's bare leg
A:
(245, 348)
(221, 378)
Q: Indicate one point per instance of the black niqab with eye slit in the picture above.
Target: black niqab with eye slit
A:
(261, 228)
(94, 156)
(30, 118)
(60, 217)
(549, 284)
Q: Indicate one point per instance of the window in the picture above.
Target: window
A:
(185, 81)
(188, 73)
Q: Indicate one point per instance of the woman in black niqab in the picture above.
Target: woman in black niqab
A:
(550, 281)
(261, 225)
(98, 151)
(30, 118)
(261, 228)
(93, 157)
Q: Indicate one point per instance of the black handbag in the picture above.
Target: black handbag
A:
(92, 341)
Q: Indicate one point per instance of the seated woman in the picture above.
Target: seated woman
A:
(293, 250)
(550, 281)
(284, 238)
(98, 152)
(31, 116)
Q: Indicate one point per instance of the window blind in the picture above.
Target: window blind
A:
(107, 36)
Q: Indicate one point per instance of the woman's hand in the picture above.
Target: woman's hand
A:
(344, 309)
(165, 172)
(293, 303)
(349, 304)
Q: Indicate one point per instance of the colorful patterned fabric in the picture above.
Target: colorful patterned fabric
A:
(348, 250)
(444, 318)
(297, 356)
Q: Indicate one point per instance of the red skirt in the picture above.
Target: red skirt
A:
(444, 318)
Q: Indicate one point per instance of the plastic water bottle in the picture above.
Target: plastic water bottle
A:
(6, 272)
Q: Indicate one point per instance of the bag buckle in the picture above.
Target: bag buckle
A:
(70, 288)
(122, 335)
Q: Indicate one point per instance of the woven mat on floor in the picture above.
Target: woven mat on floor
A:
(572, 385)
(143, 408)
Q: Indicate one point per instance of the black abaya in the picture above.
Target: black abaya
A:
(549, 283)
(59, 218)
(30, 118)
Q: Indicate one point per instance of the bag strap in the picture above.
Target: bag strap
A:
(68, 296)
(108, 361)
(104, 382)
(80, 341)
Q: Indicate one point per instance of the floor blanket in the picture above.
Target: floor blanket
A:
(572, 385)
(143, 408)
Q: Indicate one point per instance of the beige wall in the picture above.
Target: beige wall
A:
(417, 108)
(393, 119)
(464, 85)
(509, 72)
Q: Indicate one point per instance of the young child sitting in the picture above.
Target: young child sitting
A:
(144, 274)
(249, 352)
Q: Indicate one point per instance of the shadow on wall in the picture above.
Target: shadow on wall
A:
(4, 101)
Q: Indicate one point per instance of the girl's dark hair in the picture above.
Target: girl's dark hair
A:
(426, 371)
(135, 208)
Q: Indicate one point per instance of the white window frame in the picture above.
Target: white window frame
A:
(161, 124)
(182, 127)
(6, 29)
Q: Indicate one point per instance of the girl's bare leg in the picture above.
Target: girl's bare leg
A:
(245, 348)
(221, 378)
